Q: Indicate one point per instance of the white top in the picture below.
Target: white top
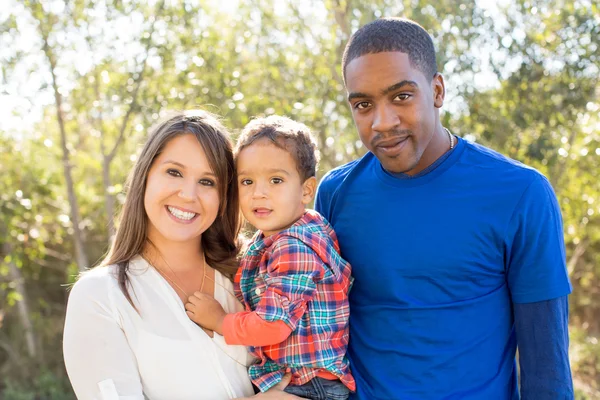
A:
(113, 353)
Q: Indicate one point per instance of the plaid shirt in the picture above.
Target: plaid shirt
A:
(298, 276)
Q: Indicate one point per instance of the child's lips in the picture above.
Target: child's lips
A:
(262, 212)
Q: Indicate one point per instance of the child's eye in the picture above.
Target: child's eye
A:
(276, 181)
(206, 182)
(246, 182)
(174, 172)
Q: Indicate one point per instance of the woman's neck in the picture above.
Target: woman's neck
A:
(176, 256)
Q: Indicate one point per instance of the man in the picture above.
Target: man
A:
(457, 251)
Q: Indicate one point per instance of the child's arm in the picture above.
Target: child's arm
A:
(293, 270)
(243, 328)
(249, 329)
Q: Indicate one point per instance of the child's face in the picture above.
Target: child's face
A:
(272, 194)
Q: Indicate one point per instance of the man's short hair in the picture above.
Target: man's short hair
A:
(287, 134)
(393, 34)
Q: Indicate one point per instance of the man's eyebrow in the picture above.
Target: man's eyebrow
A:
(385, 91)
(355, 95)
(399, 85)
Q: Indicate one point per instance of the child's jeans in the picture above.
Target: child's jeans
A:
(320, 389)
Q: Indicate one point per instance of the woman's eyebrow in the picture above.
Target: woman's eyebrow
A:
(184, 167)
(174, 162)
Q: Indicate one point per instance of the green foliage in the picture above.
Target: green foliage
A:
(522, 79)
(46, 386)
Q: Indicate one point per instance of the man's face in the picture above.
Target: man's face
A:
(395, 108)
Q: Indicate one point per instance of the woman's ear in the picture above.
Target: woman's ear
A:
(309, 188)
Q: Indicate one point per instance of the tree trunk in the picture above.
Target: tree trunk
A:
(45, 26)
(109, 198)
(80, 254)
(107, 159)
(22, 304)
(576, 255)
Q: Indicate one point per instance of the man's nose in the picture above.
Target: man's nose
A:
(385, 119)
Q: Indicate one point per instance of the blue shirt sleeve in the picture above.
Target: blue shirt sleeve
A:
(323, 199)
(535, 260)
(543, 342)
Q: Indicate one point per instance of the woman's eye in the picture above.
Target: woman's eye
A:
(206, 182)
(246, 182)
(174, 172)
(276, 181)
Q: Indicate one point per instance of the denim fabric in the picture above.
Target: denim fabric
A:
(320, 389)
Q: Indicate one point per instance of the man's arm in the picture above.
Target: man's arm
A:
(543, 342)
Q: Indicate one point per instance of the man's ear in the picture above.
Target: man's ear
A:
(439, 90)
(309, 188)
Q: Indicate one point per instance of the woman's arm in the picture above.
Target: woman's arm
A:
(99, 361)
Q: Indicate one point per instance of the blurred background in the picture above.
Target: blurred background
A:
(81, 82)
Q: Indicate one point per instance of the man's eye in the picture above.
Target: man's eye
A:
(173, 172)
(361, 105)
(206, 182)
(276, 181)
(403, 96)
(246, 182)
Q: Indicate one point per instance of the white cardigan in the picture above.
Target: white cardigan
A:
(113, 353)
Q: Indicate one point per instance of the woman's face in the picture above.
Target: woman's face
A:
(181, 198)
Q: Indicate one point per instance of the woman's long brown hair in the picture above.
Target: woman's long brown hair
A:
(219, 241)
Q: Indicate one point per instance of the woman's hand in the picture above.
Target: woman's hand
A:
(206, 312)
(276, 392)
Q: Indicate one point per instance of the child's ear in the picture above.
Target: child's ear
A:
(309, 188)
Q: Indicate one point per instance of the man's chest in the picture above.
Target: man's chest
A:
(431, 248)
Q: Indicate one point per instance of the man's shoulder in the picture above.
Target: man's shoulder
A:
(335, 177)
(488, 157)
(338, 174)
(483, 158)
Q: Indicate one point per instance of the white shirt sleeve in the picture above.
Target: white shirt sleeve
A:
(98, 358)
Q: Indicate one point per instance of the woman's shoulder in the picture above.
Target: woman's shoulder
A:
(103, 279)
(96, 282)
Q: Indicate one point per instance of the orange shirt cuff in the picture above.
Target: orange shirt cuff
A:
(248, 329)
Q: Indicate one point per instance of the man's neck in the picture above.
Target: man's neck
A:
(437, 147)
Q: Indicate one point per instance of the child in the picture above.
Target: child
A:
(292, 280)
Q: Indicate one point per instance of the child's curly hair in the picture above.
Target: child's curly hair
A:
(287, 134)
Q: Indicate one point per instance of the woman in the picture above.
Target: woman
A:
(127, 335)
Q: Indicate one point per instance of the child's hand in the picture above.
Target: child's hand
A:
(276, 392)
(206, 312)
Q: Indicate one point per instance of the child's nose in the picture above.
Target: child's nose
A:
(260, 191)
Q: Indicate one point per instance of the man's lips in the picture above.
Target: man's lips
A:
(392, 147)
(390, 142)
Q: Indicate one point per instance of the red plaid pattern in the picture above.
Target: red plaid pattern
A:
(298, 276)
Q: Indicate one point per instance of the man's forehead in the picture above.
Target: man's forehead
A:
(375, 70)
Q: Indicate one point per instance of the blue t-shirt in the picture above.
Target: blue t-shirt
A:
(438, 261)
